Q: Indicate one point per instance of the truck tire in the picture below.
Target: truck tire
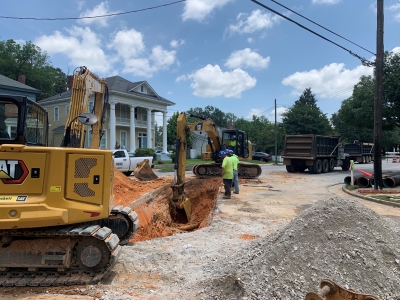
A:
(290, 168)
(363, 160)
(317, 166)
(325, 166)
(127, 173)
(331, 165)
(346, 165)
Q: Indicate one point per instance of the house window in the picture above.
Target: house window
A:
(103, 141)
(90, 108)
(67, 110)
(142, 140)
(123, 111)
(143, 89)
(123, 141)
(56, 116)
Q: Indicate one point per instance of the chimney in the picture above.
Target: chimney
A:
(21, 78)
(70, 81)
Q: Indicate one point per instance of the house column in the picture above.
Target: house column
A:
(112, 126)
(164, 132)
(149, 142)
(132, 131)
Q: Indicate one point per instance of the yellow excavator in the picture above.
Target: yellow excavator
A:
(233, 139)
(58, 224)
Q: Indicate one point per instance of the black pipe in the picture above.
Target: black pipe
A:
(347, 179)
(392, 181)
(364, 181)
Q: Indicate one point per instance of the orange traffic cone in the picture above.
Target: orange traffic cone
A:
(394, 159)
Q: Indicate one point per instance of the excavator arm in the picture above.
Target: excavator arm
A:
(180, 206)
(85, 83)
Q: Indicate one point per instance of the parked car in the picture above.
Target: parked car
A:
(126, 161)
(261, 156)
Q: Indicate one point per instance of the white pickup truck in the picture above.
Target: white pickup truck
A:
(126, 162)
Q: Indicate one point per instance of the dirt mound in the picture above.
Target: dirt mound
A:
(129, 189)
(154, 214)
(336, 238)
(150, 200)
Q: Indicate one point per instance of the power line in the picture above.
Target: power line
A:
(363, 60)
(91, 17)
(321, 26)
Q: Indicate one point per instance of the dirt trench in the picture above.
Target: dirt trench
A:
(150, 200)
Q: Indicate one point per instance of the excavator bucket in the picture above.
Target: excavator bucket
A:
(330, 290)
(144, 172)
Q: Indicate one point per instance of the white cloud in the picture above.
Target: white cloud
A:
(199, 9)
(82, 47)
(396, 50)
(211, 81)
(176, 43)
(159, 59)
(328, 80)
(99, 10)
(250, 40)
(247, 58)
(128, 43)
(270, 114)
(130, 47)
(80, 4)
(257, 20)
(325, 1)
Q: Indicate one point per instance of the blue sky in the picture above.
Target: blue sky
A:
(231, 54)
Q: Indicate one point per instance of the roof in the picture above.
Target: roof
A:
(8, 82)
(122, 85)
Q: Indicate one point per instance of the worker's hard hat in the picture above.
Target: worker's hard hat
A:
(221, 153)
(229, 151)
(233, 137)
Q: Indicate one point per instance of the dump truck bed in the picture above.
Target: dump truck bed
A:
(310, 146)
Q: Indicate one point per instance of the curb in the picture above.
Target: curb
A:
(370, 198)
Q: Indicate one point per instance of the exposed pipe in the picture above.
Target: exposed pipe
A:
(364, 181)
(392, 181)
(347, 179)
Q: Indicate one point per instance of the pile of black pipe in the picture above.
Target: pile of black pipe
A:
(390, 179)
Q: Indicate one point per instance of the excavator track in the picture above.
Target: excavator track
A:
(123, 221)
(245, 170)
(75, 254)
(27, 260)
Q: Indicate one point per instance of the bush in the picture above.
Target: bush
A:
(173, 155)
(145, 152)
(160, 162)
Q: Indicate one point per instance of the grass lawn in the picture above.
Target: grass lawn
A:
(194, 161)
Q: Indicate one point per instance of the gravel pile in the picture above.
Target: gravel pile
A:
(336, 238)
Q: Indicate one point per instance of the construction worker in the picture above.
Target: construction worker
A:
(227, 173)
(235, 180)
(232, 143)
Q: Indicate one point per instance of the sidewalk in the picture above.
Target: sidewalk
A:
(368, 193)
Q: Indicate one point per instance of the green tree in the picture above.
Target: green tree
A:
(171, 129)
(305, 117)
(218, 116)
(31, 61)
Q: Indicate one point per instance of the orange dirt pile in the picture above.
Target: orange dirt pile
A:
(129, 189)
(248, 237)
(154, 215)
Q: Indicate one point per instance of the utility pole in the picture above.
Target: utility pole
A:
(276, 142)
(378, 183)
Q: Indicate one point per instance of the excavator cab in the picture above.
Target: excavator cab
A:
(22, 121)
(237, 141)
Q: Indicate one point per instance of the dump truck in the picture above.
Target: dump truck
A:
(317, 153)
(360, 152)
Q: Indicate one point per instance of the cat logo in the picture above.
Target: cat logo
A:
(13, 171)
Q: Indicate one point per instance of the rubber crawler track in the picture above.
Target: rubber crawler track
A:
(245, 170)
(18, 276)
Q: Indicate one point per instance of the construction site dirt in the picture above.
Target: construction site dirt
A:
(167, 260)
